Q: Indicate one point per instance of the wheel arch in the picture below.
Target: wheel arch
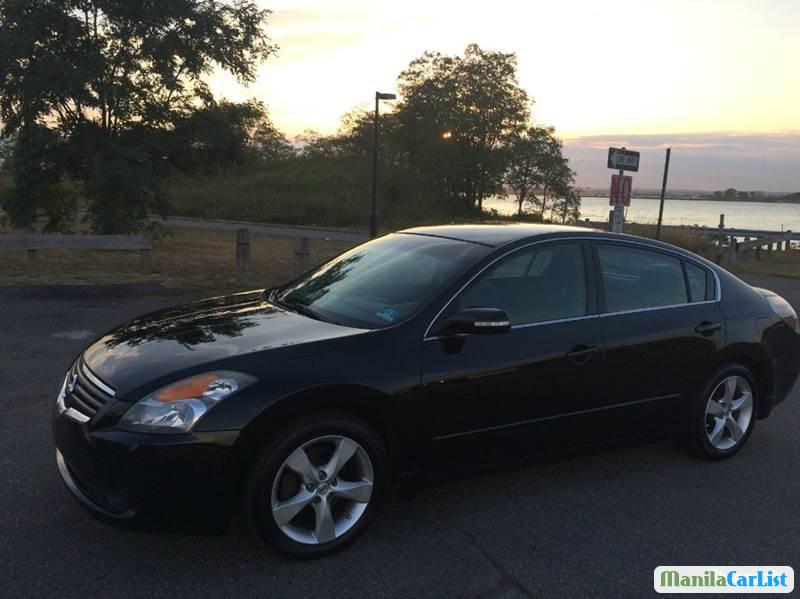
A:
(369, 405)
(754, 358)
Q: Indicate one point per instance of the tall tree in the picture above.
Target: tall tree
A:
(456, 116)
(536, 165)
(568, 207)
(225, 135)
(104, 82)
(526, 158)
(557, 178)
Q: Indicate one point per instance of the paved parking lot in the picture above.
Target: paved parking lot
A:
(594, 526)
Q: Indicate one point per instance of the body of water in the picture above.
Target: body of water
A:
(742, 215)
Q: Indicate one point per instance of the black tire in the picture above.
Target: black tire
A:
(699, 442)
(258, 487)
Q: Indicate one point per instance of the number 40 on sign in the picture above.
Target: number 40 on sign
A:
(620, 194)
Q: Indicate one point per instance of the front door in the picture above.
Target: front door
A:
(498, 396)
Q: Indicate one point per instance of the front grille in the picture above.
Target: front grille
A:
(85, 392)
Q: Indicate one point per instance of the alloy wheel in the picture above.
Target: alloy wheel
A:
(322, 489)
(729, 412)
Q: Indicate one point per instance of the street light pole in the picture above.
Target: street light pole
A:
(373, 214)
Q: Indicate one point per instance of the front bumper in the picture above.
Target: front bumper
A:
(173, 483)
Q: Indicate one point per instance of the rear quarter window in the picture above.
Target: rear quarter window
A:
(700, 280)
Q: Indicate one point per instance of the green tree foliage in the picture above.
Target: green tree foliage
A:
(568, 207)
(93, 88)
(460, 127)
(456, 118)
(36, 160)
(536, 165)
(354, 138)
(460, 130)
(6, 149)
(318, 146)
(223, 136)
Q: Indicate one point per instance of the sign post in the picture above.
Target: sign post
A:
(619, 211)
(663, 191)
(624, 160)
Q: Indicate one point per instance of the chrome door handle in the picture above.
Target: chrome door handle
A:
(706, 328)
(581, 354)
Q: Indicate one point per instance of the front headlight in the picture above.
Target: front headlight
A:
(176, 408)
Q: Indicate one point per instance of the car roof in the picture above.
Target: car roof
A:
(495, 234)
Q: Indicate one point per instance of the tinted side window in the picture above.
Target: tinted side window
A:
(635, 279)
(700, 283)
(535, 285)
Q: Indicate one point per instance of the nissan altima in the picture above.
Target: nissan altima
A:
(428, 351)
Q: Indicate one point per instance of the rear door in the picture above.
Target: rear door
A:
(661, 324)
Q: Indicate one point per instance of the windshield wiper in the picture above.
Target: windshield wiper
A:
(305, 310)
(299, 308)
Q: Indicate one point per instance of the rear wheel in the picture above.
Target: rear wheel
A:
(724, 413)
(318, 485)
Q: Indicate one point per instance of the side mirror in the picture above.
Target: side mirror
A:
(476, 321)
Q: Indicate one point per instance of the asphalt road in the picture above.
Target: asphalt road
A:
(594, 526)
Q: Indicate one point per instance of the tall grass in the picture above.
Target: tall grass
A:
(332, 192)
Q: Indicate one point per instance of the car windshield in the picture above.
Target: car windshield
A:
(382, 282)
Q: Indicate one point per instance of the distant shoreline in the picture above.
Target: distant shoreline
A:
(701, 199)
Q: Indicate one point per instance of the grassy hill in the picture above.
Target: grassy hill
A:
(331, 192)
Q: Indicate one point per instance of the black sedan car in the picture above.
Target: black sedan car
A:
(427, 351)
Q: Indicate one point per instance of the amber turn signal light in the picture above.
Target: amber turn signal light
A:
(187, 389)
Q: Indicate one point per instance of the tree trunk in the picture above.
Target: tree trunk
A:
(544, 202)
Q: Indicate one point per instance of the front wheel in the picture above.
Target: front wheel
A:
(724, 413)
(317, 486)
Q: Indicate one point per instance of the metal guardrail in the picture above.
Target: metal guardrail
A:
(767, 240)
(728, 231)
(794, 236)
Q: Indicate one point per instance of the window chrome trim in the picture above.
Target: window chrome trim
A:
(96, 381)
(655, 308)
(717, 285)
(612, 240)
(522, 325)
(525, 325)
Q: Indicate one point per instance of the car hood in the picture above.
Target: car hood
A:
(238, 332)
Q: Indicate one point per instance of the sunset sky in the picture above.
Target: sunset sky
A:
(718, 80)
